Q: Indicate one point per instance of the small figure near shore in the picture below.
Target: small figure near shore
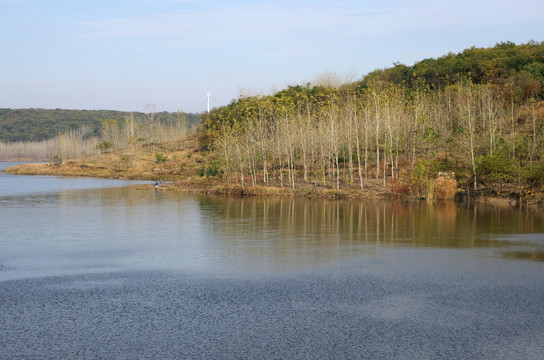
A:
(158, 183)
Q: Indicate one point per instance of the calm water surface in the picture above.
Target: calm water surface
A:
(110, 269)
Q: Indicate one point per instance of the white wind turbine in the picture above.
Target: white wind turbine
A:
(208, 96)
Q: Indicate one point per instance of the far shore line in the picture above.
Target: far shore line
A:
(373, 189)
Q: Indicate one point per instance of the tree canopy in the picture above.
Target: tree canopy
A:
(521, 66)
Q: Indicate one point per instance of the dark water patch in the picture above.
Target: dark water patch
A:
(321, 316)
(525, 255)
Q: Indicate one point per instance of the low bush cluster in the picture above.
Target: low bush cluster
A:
(445, 186)
(160, 158)
(399, 188)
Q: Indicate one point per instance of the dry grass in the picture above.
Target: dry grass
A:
(182, 167)
(445, 186)
(105, 166)
(216, 187)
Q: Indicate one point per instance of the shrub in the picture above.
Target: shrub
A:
(496, 168)
(160, 158)
(445, 186)
(399, 188)
(421, 175)
(211, 170)
(104, 145)
(534, 175)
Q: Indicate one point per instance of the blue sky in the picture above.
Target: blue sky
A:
(122, 55)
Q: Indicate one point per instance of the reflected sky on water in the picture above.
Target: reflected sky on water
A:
(82, 225)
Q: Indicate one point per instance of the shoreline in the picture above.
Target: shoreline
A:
(190, 182)
(187, 182)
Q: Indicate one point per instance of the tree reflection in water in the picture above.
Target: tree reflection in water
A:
(335, 228)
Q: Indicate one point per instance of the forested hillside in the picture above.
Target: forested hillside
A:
(44, 124)
(477, 116)
(520, 67)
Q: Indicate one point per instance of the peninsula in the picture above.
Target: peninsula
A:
(467, 125)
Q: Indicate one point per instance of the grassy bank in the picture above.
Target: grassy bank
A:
(185, 171)
(185, 177)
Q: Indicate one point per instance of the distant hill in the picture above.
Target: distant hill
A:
(42, 124)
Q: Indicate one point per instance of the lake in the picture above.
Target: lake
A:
(110, 269)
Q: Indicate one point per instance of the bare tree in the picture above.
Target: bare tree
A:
(469, 127)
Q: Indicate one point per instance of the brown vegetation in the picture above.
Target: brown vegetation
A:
(445, 186)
